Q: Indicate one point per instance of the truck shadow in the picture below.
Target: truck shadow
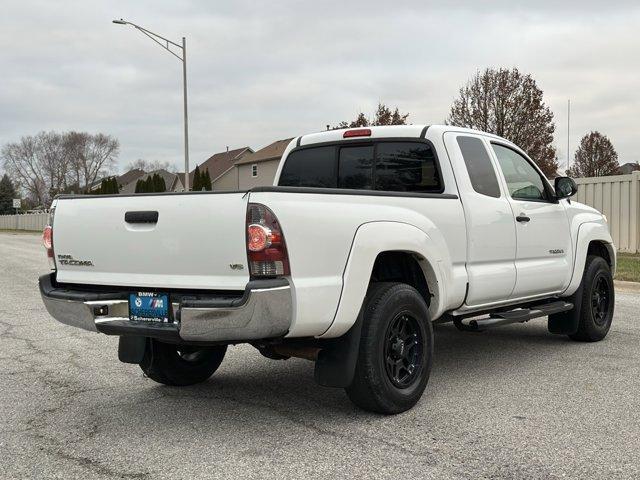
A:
(248, 384)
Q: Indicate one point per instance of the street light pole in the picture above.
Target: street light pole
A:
(166, 43)
(186, 117)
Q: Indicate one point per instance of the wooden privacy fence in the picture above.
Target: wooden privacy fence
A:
(618, 197)
(26, 221)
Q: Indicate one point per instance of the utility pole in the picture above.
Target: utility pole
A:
(568, 130)
(165, 43)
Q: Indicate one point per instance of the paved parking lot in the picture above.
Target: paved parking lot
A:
(515, 402)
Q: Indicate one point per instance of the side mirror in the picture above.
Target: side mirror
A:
(565, 187)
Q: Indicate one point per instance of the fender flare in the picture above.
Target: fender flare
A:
(370, 240)
(587, 233)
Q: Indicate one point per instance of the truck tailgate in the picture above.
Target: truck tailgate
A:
(198, 241)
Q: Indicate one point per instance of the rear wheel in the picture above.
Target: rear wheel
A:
(180, 365)
(396, 349)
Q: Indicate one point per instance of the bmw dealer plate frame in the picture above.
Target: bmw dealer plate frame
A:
(149, 307)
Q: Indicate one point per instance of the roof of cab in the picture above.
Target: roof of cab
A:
(387, 131)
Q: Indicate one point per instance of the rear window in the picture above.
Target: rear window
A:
(355, 168)
(385, 166)
(311, 167)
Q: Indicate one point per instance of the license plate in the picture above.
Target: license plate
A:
(149, 307)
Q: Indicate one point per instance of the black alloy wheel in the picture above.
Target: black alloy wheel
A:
(403, 351)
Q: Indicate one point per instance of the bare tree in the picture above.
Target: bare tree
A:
(49, 163)
(595, 157)
(383, 116)
(149, 166)
(509, 104)
(91, 156)
(24, 163)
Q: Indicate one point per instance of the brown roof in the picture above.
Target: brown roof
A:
(130, 176)
(168, 177)
(219, 163)
(270, 152)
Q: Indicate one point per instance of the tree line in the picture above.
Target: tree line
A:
(510, 104)
(49, 163)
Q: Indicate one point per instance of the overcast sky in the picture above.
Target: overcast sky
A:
(261, 71)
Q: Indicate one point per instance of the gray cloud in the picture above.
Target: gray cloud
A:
(260, 71)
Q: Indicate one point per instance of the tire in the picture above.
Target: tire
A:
(590, 319)
(394, 316)
(180, 365)
(597, 302)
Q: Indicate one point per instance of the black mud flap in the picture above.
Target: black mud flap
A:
(566, 323)
(131, 348)
(336, 363)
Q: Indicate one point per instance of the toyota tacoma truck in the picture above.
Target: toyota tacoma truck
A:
(367, 238)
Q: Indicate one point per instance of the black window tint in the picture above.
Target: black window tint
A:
(355, 168)
(406, 167)
(524, 181)
(481, 172)
(310, 167)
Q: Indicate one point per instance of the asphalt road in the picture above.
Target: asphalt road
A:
(511, 403)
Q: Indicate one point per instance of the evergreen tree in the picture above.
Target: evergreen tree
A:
(139, 186)
(103, 187)
(158, 183)
(149, 187)
(206, 180)
(115, 189)
(7, 194)
(197, 180)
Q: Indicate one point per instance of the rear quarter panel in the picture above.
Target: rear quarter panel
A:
(319, 230)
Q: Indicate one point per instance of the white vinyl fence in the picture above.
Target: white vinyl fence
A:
(618, 197)
(27, 221)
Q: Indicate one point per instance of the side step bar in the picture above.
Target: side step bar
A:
(519, 315)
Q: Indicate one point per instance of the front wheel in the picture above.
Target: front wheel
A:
(396, 350)
(598, 297)
(592, 314)
(180, 365)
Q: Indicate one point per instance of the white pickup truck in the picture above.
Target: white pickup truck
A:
(367, 237)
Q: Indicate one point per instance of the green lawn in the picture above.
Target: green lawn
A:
(628, 267)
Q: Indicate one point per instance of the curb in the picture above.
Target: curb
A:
(627, 286)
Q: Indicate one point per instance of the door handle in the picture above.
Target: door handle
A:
(141, 217)
(522, 218)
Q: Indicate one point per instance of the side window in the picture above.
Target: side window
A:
(254, 170)
(355, 168)
(406, 167)
(524, 181)
(310, 167)
(481, 172)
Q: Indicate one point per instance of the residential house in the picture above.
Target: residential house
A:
(171, 180)
(254, 169)
(628, 168)
(124, 179)
(219, 163)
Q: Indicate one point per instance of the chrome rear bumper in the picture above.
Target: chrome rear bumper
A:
(264, 311)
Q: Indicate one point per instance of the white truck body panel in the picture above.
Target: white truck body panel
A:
(192, 245)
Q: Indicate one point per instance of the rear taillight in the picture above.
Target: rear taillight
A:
(47, 241)
(266, 248)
